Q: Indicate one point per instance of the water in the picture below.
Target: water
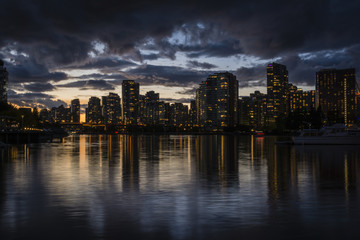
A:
(178, 187)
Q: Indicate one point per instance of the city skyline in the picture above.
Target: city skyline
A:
(55, 52)
(217, 104)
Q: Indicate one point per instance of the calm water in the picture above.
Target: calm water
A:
(178, 187)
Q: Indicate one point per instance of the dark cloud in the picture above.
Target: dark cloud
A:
(63, 32)
(41, 37)
(34, 100)
(167, 75)
(251, 76)
(39, 87)
(101, 63)
(90, 84)
(202, 65)
(177, 100)
(29, 71)
(191, 91)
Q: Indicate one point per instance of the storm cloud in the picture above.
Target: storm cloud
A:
(144, 40)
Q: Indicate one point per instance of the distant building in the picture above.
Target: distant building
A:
(164, 113)
(93, 111)
(130, 102)
(193, 112)
(111, 108)
(277, 91)
(257, 110)
(179, 114)
(335, 91)
(217, 101)
(243, 111)
(63, 114)
(152, 108)
(45, 116)
(3, 83)
(252, 110)
(75, 110)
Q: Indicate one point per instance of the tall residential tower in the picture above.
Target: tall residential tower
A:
(277, 91)
(217, 99)
(335, 92)
(130, 102)
(3, 83)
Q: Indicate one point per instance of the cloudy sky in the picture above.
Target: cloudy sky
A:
(57, 50)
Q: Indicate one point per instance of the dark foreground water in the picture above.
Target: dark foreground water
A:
(178, 187)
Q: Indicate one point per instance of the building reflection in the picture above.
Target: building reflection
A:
(217, 158)
(130, 162)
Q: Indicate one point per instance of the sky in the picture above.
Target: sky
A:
(56, 50)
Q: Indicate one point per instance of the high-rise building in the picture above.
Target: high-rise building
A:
(3, 83)
(217, 101)
(179, 114)
(193, 112)
(257, 110)
(335, 91)
(164, 113)
(59, 114)
(75, 110)
(111, 108)
(152, 108)
(93, 111)
(130, 102)
(277, 91)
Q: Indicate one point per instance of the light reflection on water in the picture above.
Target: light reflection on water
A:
(177, 187)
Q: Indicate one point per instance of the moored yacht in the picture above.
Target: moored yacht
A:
(336, 134)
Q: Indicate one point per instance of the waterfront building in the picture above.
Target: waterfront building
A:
(309, 100)
(243, 111)
(201, 105)
(252, 110)
(179, 114)
(193, 113)
(3, 83)
(277, 92)
(130, 102)
(257, 110)
(45, 116)
(111, 108)
(335, 92)
(142, 109)
(75, 110)
(164, 113)
(93, 111)
(217, 101)
(152, 108)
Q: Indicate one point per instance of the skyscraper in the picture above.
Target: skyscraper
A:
(335, 92)
(277, 91)
(111, 108)
(93, 111)
(3, 83)
(217, 100)
(130, 101)
(152, 108)
(75, 110)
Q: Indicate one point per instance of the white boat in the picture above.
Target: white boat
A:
(336, 134)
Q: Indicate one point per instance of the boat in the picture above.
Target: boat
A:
(336, 134)
(259, 134)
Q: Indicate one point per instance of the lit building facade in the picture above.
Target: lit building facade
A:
(130, 102)
(152, 108)
(93, 111)
(3, 83)
(75, 110)
(217, 101)
(277, 91)
(335, 90)
(111, 108)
